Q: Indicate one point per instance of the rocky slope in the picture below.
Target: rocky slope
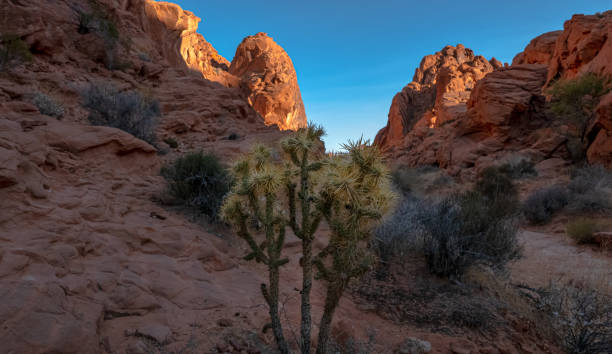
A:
(494, 112)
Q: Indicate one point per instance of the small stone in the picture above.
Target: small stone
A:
(225, 322)
(413, 345)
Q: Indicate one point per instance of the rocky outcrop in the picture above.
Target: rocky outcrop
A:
(539, 50)
(583, 46)
(268, 77)
(440, 88)
(600, 149)
(174, 31)
(509, 96)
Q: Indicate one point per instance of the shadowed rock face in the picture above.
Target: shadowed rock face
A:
(439, 90)
(268, 78)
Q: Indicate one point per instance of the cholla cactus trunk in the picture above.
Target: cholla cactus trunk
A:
(332, 299)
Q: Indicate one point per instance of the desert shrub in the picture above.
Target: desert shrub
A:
(13, 49)
(591, 189)
(574, 101)
(396, 236)
(581, 230)
(477, 227)
(417, 180)
(199, 180)
(129, 111)
(97, 21)
(581, 318)
(518, 167)
(542, 204)
(47, 105)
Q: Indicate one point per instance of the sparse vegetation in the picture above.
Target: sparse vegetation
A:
(129, 111)
(349, 191)
(580, 317)
(198, 180)
(518, 167)
(47, 105)
(97, 21)
(543, 203)
(574, 101)
(581, 230)
(13, 50)
(419, 180)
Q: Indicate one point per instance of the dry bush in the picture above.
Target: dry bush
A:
(47, 105)
(590, 189)
(129, 111)
(543, 203)
(580, 317)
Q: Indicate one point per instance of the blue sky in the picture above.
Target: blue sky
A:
(351, 57)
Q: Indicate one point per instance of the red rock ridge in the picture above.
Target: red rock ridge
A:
(438, 92)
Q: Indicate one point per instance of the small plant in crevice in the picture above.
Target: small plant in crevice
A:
(13, 50)
(543, 203)
(199, 181)
(48, 106)
(129, 111)
(96, 20)
(171, 142)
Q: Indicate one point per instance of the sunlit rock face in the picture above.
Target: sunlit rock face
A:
(438, 93)
(539, 50)
(268, 77)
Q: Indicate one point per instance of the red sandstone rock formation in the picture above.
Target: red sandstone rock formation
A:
(438, 92)
(268, 78)
(505, 112)
(539, 50)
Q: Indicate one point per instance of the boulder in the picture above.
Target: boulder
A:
(539, 50)
(268, 78)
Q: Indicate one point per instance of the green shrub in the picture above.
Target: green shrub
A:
(542, 204)
(198, 180)
(13, 49)
(129, 111)
(582, 230)
(48, 106)
(590, 190)
(574, 101)
(496, 187)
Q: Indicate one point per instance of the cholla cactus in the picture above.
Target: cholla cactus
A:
(253, 203)
(349, 191)
(304, 150)
(355, 193)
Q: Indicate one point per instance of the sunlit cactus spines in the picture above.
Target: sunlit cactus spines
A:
(349, 191)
